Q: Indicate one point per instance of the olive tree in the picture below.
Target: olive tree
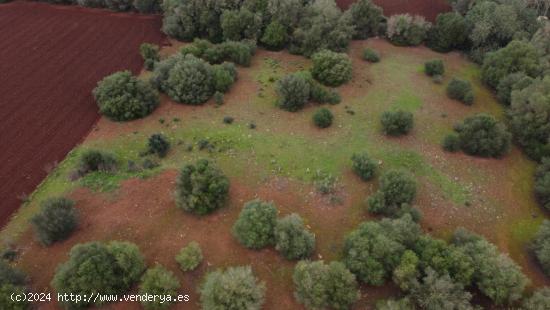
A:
(256, 224)
(292, 239)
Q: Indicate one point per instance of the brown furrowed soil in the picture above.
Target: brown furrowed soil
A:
(51, 58)
(426, 8)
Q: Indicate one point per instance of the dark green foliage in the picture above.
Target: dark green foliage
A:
(190, 81)
(460, 90)
(397, 123)
(496, 275)
(123, 97)
(482, 135)
(95, 268)
(158, 144)
(365, 17)
(529, 118)
(118, 5)
(319, 286)
(436, 291)
(371, 55)
(9, 291)
(392, 304)
(540, 300)
(190, 256)
(228, 120)
(235, 288)
(275, 36)
(541, 246)
(373, 250)
(91, 3)
(292, 239)
(240, 24)
(448, 33)
(218, 98)
(396, 192)
(331, 68)
(11, 275)
(147, 6)
(321, 94)
(510, 83)
(93, 160)
(542, 183)
(364, 166)
(201, 188)
(158, 281)
(150, 54)
(451, 143)
(517, 56)
(293, 91)
(434, 67)
(224, 76)
(56, 220)
(407, 30)
(322, 118)
(256, 223)
(407, 272)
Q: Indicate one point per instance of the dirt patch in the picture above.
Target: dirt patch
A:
(52, 57)
(426, 8)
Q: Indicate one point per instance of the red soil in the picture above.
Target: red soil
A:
(426, 8)
(51, 57)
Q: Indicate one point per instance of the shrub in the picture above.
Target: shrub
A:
(190, 256)
(365, 17)
(434, 67)
(396, 192)
(539, 300)
(11, 275)
(228, 120)
(374, 249)
(449, 32)
(158, 281)
(407, 272)
(118, 5)
(158, 144)
(240, 24)
(190, 80)
(363, 166)
(293, 92)
(440, 292)
(407, 30)
(234, 288)
(319, 286)
(330, 68)
(322, 118)
(123, 97)
(256, 223)
(224, 76)
(460, 90)
(12, 281)
(510, 83)
(371, 55)
(397, 123)
(292, 239)
(275, 36)
(201, 188)
(517, 56)
(321, 94)
(150, 54)
(56, 220)
(147, 6)
(91, 3)
(542, 183)
(541, 246)
(93, 160)
(451, 143)
(482, 135)
(393, 304)
(95, 268)
(218, 98)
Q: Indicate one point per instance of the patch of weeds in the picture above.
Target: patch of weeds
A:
(162, 120)
(324, 182)
(176, 120)
(228, 120)
(252, 125)
(218, 98)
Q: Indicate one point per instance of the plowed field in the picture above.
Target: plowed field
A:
(51, 57)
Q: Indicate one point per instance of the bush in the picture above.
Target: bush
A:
(482, 135)
(371, 55)
(542, 183)
(407, 30)
(95, 268)
(434, 67)
(118, 5)
(540, 300)
(322, 118)
(449, 32)
(397, 123)
(541, 246)
(158, 144)
(190, 80)
(364, 166)
(234, 288)
(158, 281)
(275, 36)
(56, 220)
(240, 24)
(396, 192)
(123, 97)
(12, 281)
(256, 223)
(320, 94)
(91, 3)
(292, 239)
(147, 6)
(201, 188)
(365, 17)
(460, 90)
(224, 76)
(517, 56)
(93, 160)
(319, 286)
(237, 52)
(293, 92)
(150, 53)
(11, 275)
(374, 249)
(393, 304)
(451, 143)
(510, 83)
(330, 68)
(190, 256)
(440, 292)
